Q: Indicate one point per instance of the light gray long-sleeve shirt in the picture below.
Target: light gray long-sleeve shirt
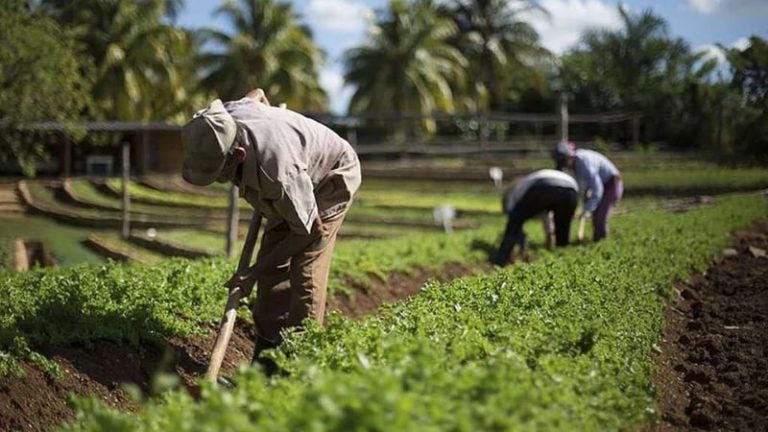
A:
(592, 170)
(295, 167)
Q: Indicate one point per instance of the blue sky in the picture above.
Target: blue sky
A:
(341, 24)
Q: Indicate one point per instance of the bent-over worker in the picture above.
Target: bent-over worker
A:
(599, 180)
(540, 192)
(297, 173)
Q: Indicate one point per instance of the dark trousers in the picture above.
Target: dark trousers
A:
(539, 199)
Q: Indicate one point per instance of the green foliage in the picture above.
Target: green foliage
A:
(277, 51)
(118, 302)
(560, 344)
(134, 53)
(64, 242)
(679, 181)
(408, 66)
(502, 48)
(750, 79)
(6, 253)
(40, 80)
(641, 67)
(134, 302)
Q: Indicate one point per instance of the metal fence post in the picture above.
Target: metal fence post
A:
(636, 131)
(126, 159)
(563, 116)
(233, 220)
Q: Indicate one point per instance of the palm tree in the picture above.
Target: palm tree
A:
(138, 62)
(640, 67)
(637, 57)
(268, 49)
(499, 44)
(408, 65)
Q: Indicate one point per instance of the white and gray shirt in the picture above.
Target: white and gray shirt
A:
(545, 177)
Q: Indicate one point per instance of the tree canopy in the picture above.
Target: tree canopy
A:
(40, 80)
(129, 61)
(267, 48)
(409, 64)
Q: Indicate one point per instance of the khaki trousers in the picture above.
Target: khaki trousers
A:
(292, 277)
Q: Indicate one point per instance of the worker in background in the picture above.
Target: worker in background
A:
(599, 180)
(549, 193)
(297, 173)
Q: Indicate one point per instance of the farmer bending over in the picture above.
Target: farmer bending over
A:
(599, 180)
(540, 192)
(297, 173)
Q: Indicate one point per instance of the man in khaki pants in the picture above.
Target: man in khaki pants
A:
(297, 173)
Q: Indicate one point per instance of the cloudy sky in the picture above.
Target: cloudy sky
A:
(341, 24)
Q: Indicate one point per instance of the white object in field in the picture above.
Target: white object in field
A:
(497, 175)
(283, 105)
(445, 214)
(151, 233)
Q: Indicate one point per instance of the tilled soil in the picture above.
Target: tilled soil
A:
(365, 301)
(38, 402)
(713, 366)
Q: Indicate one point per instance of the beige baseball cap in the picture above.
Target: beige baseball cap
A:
(207, 139)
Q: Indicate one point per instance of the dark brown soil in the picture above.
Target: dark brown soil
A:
(713, 366)
(365, 301)
(37, 402)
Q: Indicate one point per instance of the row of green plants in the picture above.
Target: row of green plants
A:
(366, 222)
(561, 344)
(148, 196)
(131, 302)
(6, 253)
(64, 242)
(420, 196)
(686, 179)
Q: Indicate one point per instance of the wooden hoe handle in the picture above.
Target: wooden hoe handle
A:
(580, 233)
(227, 324)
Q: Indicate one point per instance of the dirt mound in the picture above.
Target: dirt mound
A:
(37, 402)
(366, 300)
(712, 370)
(40, 402)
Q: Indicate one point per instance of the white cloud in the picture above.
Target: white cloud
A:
(741, 44)
(570, 18)
(339, 94)
(704, 6)
(711, 52)
(338, 16)
(736, 7)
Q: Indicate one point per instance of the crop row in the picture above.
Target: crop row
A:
(481, 197)
(130, 302)
(560, 344)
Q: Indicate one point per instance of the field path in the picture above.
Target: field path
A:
(713, 366)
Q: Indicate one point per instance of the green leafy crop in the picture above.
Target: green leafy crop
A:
(560, 344)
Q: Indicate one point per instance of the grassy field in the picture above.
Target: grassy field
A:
(384, 209)
(560, 344)
(65, 242)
